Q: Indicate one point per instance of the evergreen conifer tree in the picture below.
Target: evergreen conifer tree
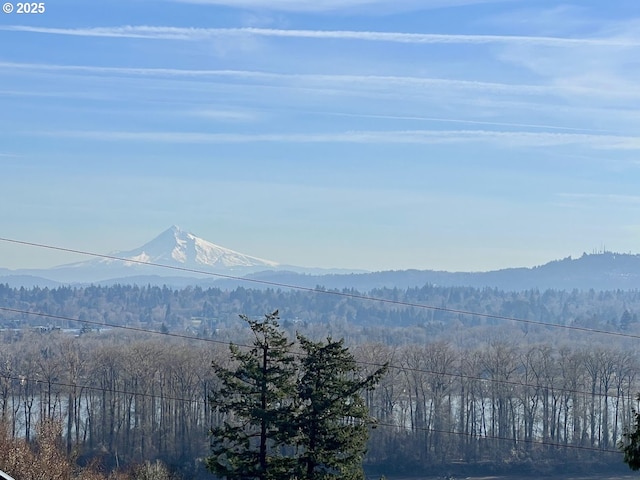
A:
(288, 417)
(332, 419)
(256, 396)
(630, 443)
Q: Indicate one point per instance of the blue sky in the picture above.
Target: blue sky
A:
(372, 134)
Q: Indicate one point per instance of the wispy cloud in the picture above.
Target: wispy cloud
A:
(499, 138)
(379, 84)
(371, 6)
(179, 33)
(315, 79)
(544, 20)
(558, 107)
(465, 121)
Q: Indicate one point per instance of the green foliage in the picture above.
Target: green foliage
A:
(333, 420)
(216, 308)
(256, 397)
(286, 418)
(630, 444)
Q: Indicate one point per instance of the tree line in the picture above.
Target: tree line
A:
(210, 312)
(126, 398)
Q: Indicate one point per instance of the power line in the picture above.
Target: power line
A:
(506, 439)
(401, 368)
(314, 290)
(377, 423)
(327, 292)
(112, 325)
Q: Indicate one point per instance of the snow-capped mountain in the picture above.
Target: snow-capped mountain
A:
(176, 247)
(173, 247)
(191, 259)
(184, 251)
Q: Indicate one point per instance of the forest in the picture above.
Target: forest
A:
(534, 382)
(399, 313)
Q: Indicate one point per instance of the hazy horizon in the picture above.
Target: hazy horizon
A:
(361, 134)
(87, 255)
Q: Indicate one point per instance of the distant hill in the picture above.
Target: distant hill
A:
(28, 281)
(189, 257)
(603, 271)
(225, 268)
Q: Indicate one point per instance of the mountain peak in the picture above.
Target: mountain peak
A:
(173, 231)
(179, 247)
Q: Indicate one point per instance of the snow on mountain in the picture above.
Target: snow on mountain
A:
(189, 256)
(176, 247)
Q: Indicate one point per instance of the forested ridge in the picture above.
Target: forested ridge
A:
(464, 393)
(206, 311)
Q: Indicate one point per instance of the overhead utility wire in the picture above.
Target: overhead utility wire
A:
(506, 439)
(360, 362)
(335, 293)
(326, 292)
(377, 423)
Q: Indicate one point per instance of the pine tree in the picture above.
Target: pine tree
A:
(332, 420)
(630, 443)
(256, 396)
(303, 419)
